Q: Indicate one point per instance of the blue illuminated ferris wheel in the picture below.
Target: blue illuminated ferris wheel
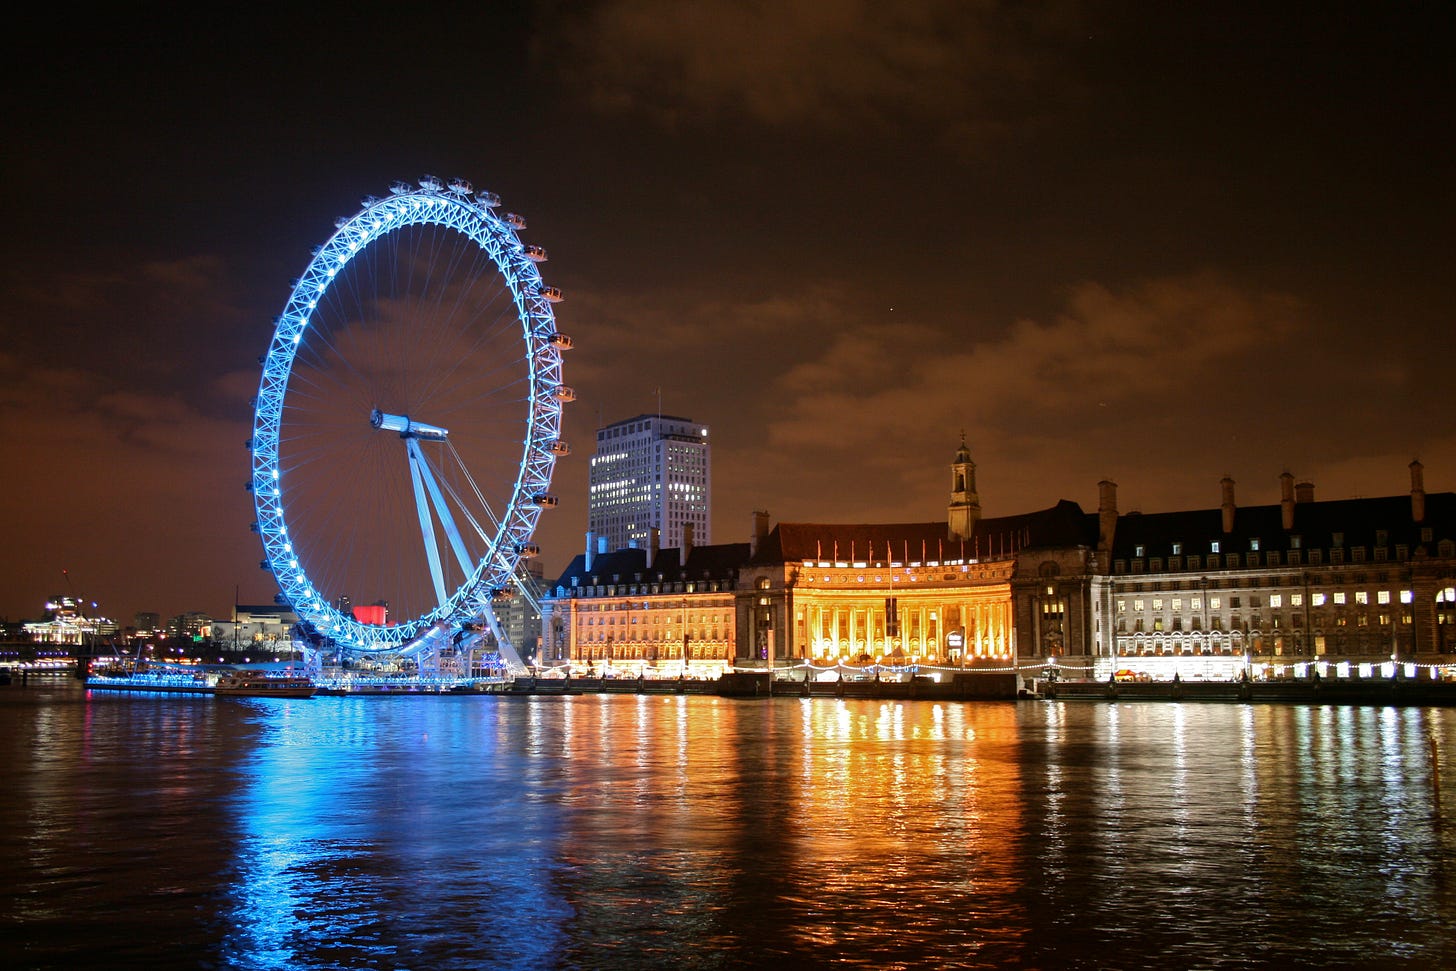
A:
(408, 421)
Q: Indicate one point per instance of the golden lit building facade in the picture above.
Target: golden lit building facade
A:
(644, 612)
(936, 594)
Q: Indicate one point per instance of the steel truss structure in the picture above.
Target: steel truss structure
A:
(402, 319)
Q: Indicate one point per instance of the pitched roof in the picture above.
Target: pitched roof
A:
(1061, 525)
(704, 563)
(1315, 524)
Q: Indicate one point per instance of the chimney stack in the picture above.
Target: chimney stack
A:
(1228, 504)
(687, 544)
(1418, 491)
(1286, 500)
(1303, 492)
(760, 531)
(1106, 514)
(590, 542)
(654, 543)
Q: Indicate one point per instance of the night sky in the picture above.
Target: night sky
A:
(1157, 243)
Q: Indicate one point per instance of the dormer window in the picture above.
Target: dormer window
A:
(1213, 547)
(1139, 551)
(1254, 543)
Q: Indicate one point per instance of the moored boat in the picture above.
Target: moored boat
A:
(140, 676)
(258, 684)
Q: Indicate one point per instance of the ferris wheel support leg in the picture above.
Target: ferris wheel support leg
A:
(508, 654)
(427, 529)
(447, 521)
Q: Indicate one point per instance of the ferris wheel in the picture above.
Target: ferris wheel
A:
(408, 421)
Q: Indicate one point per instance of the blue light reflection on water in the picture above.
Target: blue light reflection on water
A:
(641, 831)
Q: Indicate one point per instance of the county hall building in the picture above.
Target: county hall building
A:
(1350, 587)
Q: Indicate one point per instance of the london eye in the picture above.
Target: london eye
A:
(408, 421)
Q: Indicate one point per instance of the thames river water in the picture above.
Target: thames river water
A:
(624, 831)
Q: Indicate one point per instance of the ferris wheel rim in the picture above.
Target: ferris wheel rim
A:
(459, 208)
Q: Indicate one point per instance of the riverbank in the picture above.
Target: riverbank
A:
(1311, 691)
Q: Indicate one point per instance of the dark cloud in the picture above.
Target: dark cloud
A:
(973, 70)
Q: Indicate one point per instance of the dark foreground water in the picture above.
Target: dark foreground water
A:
(693, 832)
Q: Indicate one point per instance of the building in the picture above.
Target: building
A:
(645, 611)
(941, 593)
(651, 471)
(519, 614)
(267, 628)
(1342, 587)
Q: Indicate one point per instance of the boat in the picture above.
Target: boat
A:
(130, 675)
(258, 684)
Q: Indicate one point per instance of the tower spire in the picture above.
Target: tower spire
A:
(965, 505)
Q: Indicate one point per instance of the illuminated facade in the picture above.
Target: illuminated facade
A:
(644, 612)
(1342, 587)
(897, 594)
(1355, 587)
(651, 471)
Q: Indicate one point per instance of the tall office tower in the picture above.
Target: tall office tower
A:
(650, 471)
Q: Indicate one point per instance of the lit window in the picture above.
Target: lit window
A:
(1362, 597)
(1318, 600)
(1276, 600)
(1405, 597)
(1340, 598)
(1296, 600)
(1213, 547)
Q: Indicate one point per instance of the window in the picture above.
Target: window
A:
(1213, 547)
(1139, 551)
(1340, 598)
(1362, 597)
(1254, 543)
(1213, 603)
(1295, 541)
(1318, 600)
(1177, 549)
(1296, 600)
(1405, 597)
(1276, 600)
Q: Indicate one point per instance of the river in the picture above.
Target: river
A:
(625, 831)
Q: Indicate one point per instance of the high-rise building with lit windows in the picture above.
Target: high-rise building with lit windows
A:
(651, 471)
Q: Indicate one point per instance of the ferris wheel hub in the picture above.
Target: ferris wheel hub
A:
(406, 427)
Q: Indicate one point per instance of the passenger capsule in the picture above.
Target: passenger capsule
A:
(552, 294)
(559, 447)
(545, 500)
(400, 188)
(461, 186)
(560, 341)
(432, 184)
(536, 254)
(487, 199)
(514, 220)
